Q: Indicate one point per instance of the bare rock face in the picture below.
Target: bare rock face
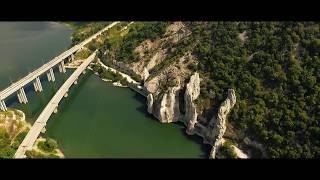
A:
(165, 111)
(193, 87)
(177, 31)
(169, 106)
(153, 85)
(192, 93)
(145, 74)
(218, 124)
(150, 103)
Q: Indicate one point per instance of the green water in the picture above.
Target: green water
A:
(96, 119)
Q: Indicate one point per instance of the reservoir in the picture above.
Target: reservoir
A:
(96, 120)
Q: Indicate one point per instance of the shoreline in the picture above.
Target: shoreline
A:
(204, 141)
(130, 80)
(117, 83)
(35, 147)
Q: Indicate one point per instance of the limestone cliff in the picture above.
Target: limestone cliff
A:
(192, 92)
(167, 108)
(153, 53)
(145, 74)
(167, 67)
(218, 125)
(150, 103)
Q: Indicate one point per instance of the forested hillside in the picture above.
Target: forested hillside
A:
(274, 68)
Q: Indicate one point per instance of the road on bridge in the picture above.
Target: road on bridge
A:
(52, 106)
(44, 68)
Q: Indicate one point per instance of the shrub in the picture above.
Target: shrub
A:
(227, 150)
(48, 146)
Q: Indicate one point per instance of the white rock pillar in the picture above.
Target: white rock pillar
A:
(52, 75)
(19, 96)
(38, 83)
(150, 103)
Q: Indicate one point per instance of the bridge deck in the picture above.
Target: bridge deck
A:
(41, 122)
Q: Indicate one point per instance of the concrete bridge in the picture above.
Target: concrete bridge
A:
(52, 107)
(34, 77)
(47, 68)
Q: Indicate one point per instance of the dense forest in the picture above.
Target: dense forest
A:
(273, 67)
(275, 72)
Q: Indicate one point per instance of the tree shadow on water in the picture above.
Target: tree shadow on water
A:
(143, 107)
(205, 148)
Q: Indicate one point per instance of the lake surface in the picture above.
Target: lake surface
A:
(96, 119)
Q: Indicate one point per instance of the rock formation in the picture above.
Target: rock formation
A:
(145, 74)
(150, 103)
(169, 106)
(218, 124)
(192, 93)
(193, 87)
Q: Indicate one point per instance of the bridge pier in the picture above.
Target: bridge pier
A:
(19, 97)
(3, 106)
(84, 72)
(52, 75)
(38, 83)
(65, 95)
(63, 68)
(23, 96)
(49, 76)
(35, 86)
(60, 68)
(72, 57)
(43, 130)
(55, 110)
(76, 82)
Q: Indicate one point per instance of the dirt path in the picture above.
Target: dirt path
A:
(129, 79)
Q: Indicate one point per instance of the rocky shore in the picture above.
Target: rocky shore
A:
(166, 109)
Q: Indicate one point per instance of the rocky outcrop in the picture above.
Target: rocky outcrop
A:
(218, 125)
(150, 103)
(145, 74)
(169, 106)
(193, 87)
(192, 93)
(176, 31)
(153, 53)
